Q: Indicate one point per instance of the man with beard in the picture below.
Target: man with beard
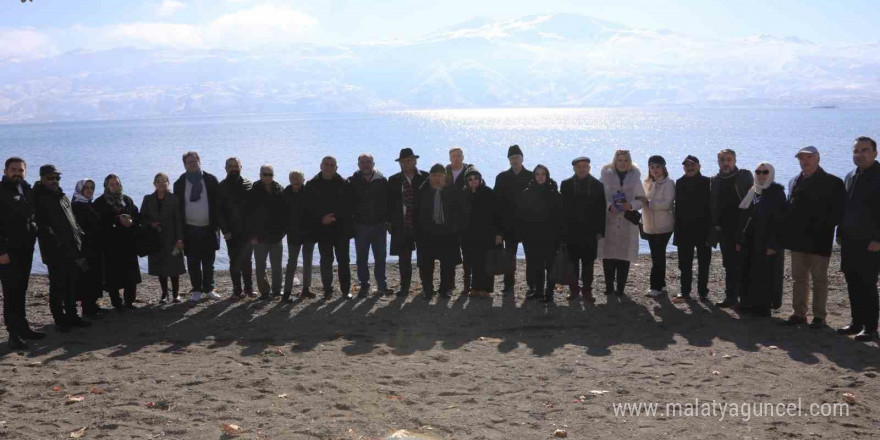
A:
(330, 213)
(231, 198)
(60, 246)
(508, 185)
(18, 231)
(727, 189)
(692, 225)
(583, 204)
(402, 189)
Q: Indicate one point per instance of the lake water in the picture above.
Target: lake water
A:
(137, 150)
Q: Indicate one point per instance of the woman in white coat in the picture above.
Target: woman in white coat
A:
(623, 194)
(658, 220)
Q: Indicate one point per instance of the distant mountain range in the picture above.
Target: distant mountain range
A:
(558, 60)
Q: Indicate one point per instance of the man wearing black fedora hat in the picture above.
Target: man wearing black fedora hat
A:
(508, 185)
(402, 188)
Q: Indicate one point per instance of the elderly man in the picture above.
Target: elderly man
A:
(583, 202)
(402, 189)
(692, 227)
(508, 185)
(330, 214)
(815, 207)
(370, 193)
(727, 189)
(231, 197)
(440, 219)
(18, 230)
(266, 225)
(859, 237)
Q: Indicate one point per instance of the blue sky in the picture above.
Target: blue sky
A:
(54, 26)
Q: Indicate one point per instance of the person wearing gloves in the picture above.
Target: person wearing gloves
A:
(758, 242)
(658, 220)
(539, 223)
(624, 194)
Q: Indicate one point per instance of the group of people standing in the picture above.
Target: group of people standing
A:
(448, 214)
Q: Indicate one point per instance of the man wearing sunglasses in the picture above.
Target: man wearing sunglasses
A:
(815, 207)
(18, 232)
(727, 189)
(60, 247)
(266, 226)
(859, 238)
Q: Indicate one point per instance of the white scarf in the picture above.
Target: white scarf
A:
(758, 188)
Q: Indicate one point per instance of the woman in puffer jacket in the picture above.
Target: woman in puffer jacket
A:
(658, 220)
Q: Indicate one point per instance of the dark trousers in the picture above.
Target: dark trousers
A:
(468, 267)
(615, 270)
(373, 237)
(510, 247)
(731, 261)
(62, 292)
(686, 267)
(443, 249)
(404, 261)
(539, 261)
(478, 277)
(175, 286)
(240, 253)
(15, 277)
(294, 246)
(200, 244)
(89, 285)
(340, 248)
(273, 251)
(657, 243)
(583, 259)
(863, 299)
(129, 294)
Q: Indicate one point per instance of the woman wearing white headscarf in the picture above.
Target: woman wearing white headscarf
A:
(89, 283)
(758, 243)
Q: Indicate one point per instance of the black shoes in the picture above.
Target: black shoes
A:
(15, 343)
(866, 336)
(32, 335)
(851, 329)
(818, 323)
(727, 303)
(796, 320)
(533, 295)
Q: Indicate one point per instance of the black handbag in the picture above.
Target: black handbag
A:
(562, 271)
(496, 261)
(147, 240)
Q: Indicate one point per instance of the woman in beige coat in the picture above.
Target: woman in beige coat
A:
(623, 195)
(658, 220)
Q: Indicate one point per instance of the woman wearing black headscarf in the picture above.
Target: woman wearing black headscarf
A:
(539, 223)
(483, 232)
(119, 218)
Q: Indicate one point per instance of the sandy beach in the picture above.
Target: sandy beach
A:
(461, 368)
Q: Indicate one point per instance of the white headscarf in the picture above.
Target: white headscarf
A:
(758, 188)
(77, 193)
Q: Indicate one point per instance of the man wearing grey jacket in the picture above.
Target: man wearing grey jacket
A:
(727, 190)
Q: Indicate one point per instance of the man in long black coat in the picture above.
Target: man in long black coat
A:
(18, 233)
(693, 221)
(331, 216)
(60, 246)
(402, 189)
(508, 185)
(440, 219)
(583, 202)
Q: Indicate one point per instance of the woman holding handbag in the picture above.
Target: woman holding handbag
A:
(539, 222)
(482, 234)
(623, 195)
(159, 211)
(658, 220)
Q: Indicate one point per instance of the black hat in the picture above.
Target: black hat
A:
(472, 171)
(438, 168)
(656, 160)
(46, 170)
(406, 153)
(691, 159)
(580, 159)
(514, 150)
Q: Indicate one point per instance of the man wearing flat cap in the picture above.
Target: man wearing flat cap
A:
(508, 185)
(815, 208)
(693, 222)
(440, 220)
(402, 189)
(60, 247)
(583, 205)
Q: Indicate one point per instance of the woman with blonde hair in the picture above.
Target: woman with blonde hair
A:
(658, 220)
(624, 195)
